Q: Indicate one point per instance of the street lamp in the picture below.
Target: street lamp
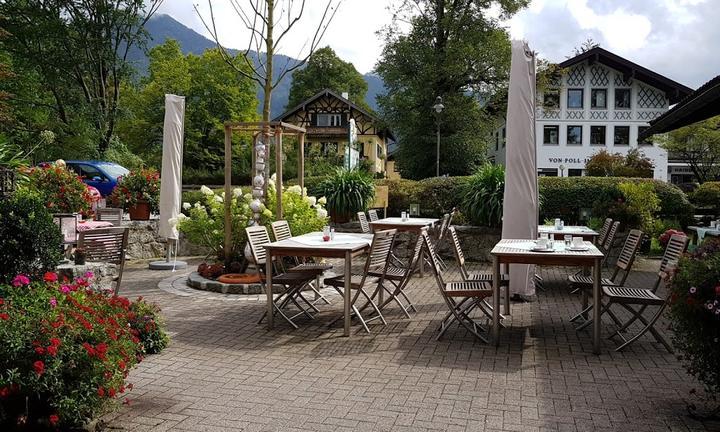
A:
(438, 107)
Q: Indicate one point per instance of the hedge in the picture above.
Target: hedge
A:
(707, 195)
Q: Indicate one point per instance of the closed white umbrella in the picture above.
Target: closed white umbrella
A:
(171, 179)
(520, 208)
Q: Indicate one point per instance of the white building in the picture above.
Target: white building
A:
(600, 102)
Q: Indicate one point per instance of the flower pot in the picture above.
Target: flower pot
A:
(79, 259)
(140, 211)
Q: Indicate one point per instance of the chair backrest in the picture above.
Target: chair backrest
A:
(380, 249)
(602, 234)
(281, 230)
(373, 215)
(108, 214)
(627, 256)
(434, 260)
(610, 237)
(258, 237)
(675, 248)
(444, 225)
(105, 244)
(417, 255)
(364, 225)
(459, 255)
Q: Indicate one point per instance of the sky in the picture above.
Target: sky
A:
(676, 38)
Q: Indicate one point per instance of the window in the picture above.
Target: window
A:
(89, 172)
(622, 135)
(575, 172)
(329, 148)
(622, 98)
(504, 134)
(379, 151)
(551, 135)
(575, 98)
(574, 135)
(642, 129)
(329, 120)
(598, 98)
(597, 135)
(551, 99)
(548, 172)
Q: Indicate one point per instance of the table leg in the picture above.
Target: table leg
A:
(422, 263)
(269, 290)
(347, 293)
(496, 301)
(507, 292)
(597, 303)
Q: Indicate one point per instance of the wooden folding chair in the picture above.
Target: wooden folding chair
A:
(461, 298)
(628, 297)
(281, 231)
(376, 263)
(106, 245)
(108, 214)
(623, 266)
(291, 283)
(364, 225)
(604, 230)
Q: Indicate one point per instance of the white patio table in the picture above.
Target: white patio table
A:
(344, 245)
(412, 225)
(517, 251)
(573, 230)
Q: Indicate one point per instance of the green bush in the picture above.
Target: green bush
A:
(401, 193)
(146, 320)
(707, 195)
(29, 239)
(61, 189)
(439, 195)
(347, 192)
(695, 314)
(121, 155)
(482, 196)
(641, 201)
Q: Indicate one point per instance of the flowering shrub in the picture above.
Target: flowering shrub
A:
(145, 319)
(203, 222)
(137, 186)
(695, 314)
(665, 237)
(66, 351)
(61, 189)
(211, 271)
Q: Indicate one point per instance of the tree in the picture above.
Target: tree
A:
(586, 46)
(78, 51)
(326, 70)
(606, 164)
(214, 93)
(5, 73)
(698, 145)
(453, 50)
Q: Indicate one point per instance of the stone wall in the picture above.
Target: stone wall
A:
(144, 242)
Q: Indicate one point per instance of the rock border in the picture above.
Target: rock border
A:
(195, 280)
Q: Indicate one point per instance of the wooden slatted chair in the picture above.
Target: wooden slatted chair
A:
(604, 230)
(106, 245)
(461, 298)
(623, 266)
(364, 225)
(375, 264)
(373, 215)
(628, 297)
(112, 215)
(291, 283)
(281, 231)
(607, 246)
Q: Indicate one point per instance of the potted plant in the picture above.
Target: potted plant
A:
(61, 189)
(80, 254)
(347, 192)
(138, 193)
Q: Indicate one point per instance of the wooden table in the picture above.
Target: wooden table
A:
(345, 245)
(411, 225)
(573, 230)
(515, 251)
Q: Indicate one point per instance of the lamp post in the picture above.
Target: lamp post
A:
(562, 170)
(438, 107)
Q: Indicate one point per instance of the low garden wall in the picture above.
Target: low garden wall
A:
(144, 242)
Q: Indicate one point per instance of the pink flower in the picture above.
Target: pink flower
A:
(20, 280)
(53, 302)
(89, 275)
(65, 289)
(693, 290)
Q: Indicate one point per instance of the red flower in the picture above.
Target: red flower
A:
(55, 342)
(54, 419)
(52, 350)
(89, 348)
(717, 291)
(101, 392)
(39, 367)
(40, 350)
(111, 392)
(101, 348)
(4, 316)
(4, 391)
(2, 301)
(50, 277)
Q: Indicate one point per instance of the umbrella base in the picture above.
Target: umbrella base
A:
(167, 265)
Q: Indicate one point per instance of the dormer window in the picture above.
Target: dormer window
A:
(329, 120)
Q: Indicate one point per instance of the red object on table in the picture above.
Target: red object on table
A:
(91, 225)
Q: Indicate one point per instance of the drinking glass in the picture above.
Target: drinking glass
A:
(568, 241)
(326, 233)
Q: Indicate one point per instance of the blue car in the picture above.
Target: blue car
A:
(101, 175)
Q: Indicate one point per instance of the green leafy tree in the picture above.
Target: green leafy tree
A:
(75, 54)
(699, 146)
(453, 50)
(606, 164)
(326, 70)
(214, 91)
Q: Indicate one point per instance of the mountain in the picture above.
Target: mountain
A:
(163, 27)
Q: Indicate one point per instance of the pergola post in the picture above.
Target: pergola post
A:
(278, 171)
(301, 163)
(228, 192)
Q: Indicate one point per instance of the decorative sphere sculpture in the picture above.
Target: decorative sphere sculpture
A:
(256, 205)
(258, 181)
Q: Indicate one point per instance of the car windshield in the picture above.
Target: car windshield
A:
(114, 170)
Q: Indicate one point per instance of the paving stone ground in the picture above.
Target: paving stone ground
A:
(225, 372)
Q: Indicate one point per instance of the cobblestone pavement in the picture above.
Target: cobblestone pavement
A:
(223, 371)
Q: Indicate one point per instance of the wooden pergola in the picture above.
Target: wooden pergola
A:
(257, 129)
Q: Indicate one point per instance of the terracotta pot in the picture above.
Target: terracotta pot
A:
(140, 211)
